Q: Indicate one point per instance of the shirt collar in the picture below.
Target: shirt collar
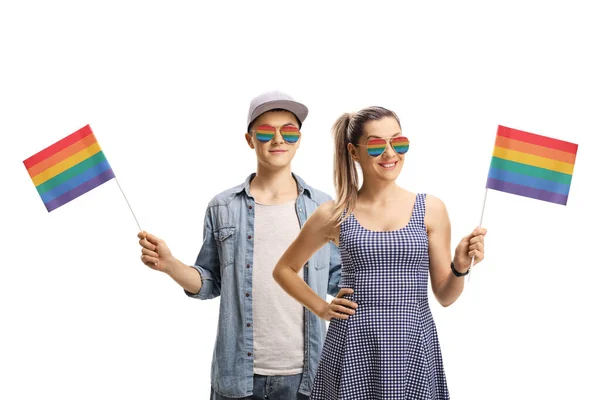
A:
(302, 186)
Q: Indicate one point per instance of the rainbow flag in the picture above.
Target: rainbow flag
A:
(532, 165)
(69, 168)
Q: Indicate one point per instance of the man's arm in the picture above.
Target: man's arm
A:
(200, 281)
(207, 266)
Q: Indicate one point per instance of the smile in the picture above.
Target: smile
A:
(388, 165)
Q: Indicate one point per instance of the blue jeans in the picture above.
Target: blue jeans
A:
(270, 388)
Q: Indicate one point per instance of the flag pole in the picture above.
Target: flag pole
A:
(130, 209)
(480, 223)
(483, 208)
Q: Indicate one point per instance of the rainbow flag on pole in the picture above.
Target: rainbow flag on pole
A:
(69, 168)
(532, 165)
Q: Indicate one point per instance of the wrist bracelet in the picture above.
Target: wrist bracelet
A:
(456, 273)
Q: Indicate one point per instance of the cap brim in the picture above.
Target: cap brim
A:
(298, 109)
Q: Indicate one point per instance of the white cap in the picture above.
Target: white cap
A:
(272, 100)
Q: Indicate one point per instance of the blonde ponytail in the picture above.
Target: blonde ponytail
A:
(345, 175)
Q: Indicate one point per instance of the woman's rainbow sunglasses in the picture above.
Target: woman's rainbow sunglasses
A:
(376, 146)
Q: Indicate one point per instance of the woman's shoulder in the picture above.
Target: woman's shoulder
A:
(434, 206)
(325, 211)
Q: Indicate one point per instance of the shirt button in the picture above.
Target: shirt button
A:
(300, 210)
(247, 294)
(248, 325)
(249, 237)
(249, 354)
(247, 265)
(249, 207)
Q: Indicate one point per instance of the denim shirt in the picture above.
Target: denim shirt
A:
(225, 264)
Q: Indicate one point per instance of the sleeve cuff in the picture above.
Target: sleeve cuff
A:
(206, 291)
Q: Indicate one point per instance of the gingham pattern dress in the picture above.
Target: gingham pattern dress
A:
(389, 348)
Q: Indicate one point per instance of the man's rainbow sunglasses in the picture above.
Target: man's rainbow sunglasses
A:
(265, 133)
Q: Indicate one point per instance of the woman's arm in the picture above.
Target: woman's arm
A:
(316, 232)
(445, 285)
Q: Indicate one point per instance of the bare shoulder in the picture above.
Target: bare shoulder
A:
(322, 221)
(436, 214)
(323, 215)
(434, 204)
(326, 209)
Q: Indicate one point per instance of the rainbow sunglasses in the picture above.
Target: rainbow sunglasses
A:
(265, 133)
(376, 146)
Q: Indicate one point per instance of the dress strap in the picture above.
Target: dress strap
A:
(418, 215)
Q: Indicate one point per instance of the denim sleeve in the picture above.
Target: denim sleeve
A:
(335, 269)
(207, 264)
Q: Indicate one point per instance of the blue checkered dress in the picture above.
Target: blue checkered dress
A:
(389, 349)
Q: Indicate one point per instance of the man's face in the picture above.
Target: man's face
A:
(274, 136)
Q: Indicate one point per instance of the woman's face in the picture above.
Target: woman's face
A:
(387, 165)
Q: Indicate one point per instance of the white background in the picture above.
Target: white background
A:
(165, 86)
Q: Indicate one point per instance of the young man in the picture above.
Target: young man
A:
(267, 346)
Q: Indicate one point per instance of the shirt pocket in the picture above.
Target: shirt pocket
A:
(225, 238)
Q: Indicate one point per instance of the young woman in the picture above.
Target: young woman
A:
(382, 341)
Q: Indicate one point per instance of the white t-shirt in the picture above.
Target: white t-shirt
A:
(278, 318)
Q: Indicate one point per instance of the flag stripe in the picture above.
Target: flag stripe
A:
(526, 191)
(80, 190)
(530, 181)
(71, 172)
(66, 164)
(533, 160)
(525, 169)
(539, 140)
(58, 146)
(535, 149)
(77, 180)
(62, 155)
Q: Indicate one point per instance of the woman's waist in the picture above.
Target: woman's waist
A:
(381, 298)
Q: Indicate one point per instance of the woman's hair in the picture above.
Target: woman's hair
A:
(348, 129)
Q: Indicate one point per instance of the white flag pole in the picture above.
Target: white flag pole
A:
(480, 222)
(130, 209)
